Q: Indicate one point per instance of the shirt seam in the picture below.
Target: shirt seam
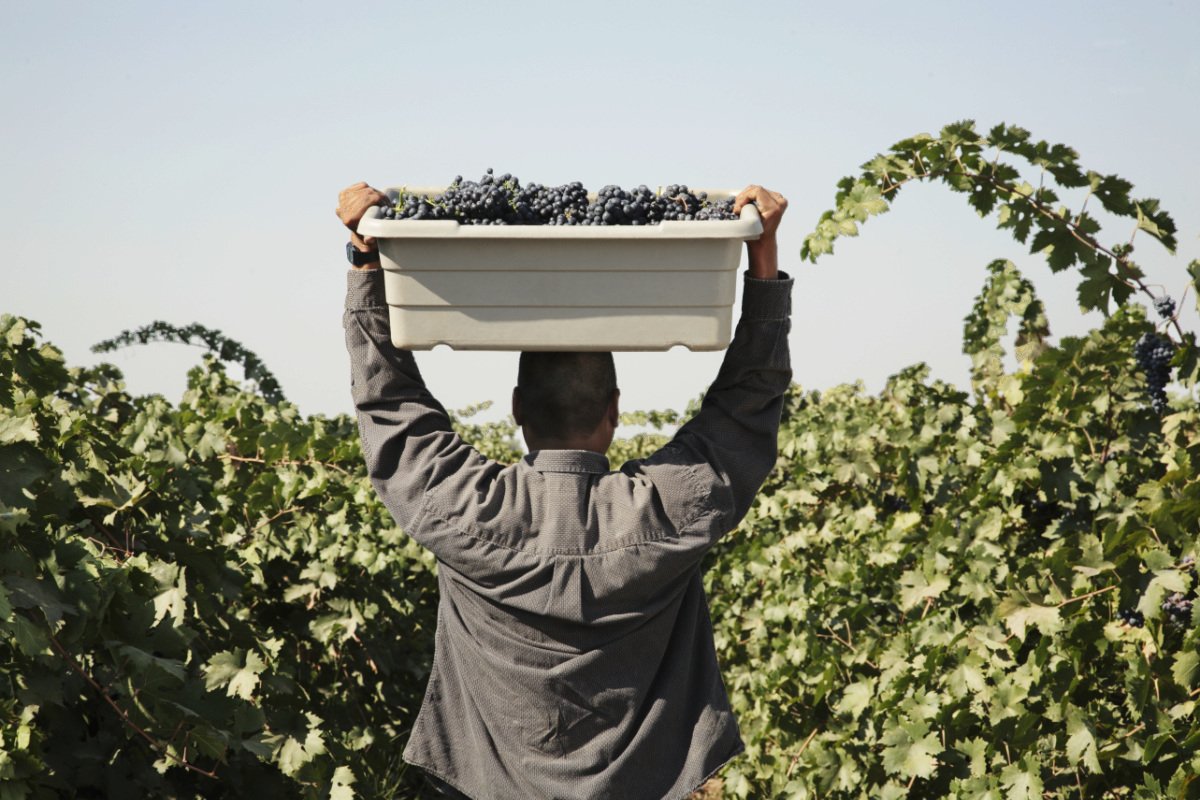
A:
(471, 531)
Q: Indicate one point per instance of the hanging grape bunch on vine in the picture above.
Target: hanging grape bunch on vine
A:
(1153, 353)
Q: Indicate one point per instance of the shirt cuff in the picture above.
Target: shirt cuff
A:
(364, 289)
(767, 299)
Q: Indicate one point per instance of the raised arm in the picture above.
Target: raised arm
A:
(715, 464)
(763, 252)
(408, 443)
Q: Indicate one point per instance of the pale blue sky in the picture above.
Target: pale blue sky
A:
(181, 162)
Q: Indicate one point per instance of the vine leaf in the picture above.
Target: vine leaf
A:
(1099, 287)
(911, 749)
(1081, 741)
(856, 697)
(172, 596)
(1184, 670)
(342, 786)
(237, 671)
(1023, 780)
(1018, 614)
(291, 752)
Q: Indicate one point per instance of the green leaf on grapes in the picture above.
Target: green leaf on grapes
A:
(1019, 614)
(1098, 287)
(1023, 780)
(911, 749)
(342, 785)
(236, 671)
(856, 697)
(1184, 670)
(1081, 741)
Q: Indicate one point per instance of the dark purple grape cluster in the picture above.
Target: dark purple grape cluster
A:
(536, 204)
(1165, 306)
(482, 202)
(413, 207)
(717, 210)
(488, 201)
(1131, 617)
(1178, 610)
(681, 204)
(1153, 352)
(501, 200)
(616, 206)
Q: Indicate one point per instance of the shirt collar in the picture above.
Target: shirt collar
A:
(581, 461)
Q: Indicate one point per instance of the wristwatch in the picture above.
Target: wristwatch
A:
(360, 258)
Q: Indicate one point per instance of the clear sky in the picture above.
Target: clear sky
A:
(182, 161)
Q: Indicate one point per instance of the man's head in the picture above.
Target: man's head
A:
(566, 400)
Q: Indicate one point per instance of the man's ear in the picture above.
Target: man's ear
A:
(516, 406)
(614, 408)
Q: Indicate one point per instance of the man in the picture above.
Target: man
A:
(574, 655)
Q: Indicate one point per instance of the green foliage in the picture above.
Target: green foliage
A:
(922, 601)
(216, 343)
(198, 599)
(1005, 294)
(207, 599)
(978, 166)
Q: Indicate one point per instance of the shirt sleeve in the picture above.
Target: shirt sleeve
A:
(409, 445)
(708, 474)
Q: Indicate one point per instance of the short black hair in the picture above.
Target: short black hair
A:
(565, 394)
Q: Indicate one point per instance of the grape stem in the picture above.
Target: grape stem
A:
(800, 752)
(1081, 597)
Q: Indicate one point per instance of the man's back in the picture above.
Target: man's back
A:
(575, 665)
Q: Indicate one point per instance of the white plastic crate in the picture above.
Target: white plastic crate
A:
(546, 287)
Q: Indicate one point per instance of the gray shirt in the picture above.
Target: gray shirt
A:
(574, 654)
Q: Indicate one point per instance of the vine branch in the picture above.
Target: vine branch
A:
(1082, 597)
(157, 744)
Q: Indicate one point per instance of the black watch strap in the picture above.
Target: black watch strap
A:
(359, 258)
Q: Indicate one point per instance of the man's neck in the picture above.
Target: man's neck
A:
(596, 443)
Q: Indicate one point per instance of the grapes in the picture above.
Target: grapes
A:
(1178, 610)
(720, 209)
(1153, 352)
(551, 205)
(1131, 617)
(502, 200)
(1165, 306)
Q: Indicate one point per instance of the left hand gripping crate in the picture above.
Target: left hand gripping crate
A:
(547, 287)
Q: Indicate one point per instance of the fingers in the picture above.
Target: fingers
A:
(768, 202)
(745, 196)
(771, 206)
(353, 202)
